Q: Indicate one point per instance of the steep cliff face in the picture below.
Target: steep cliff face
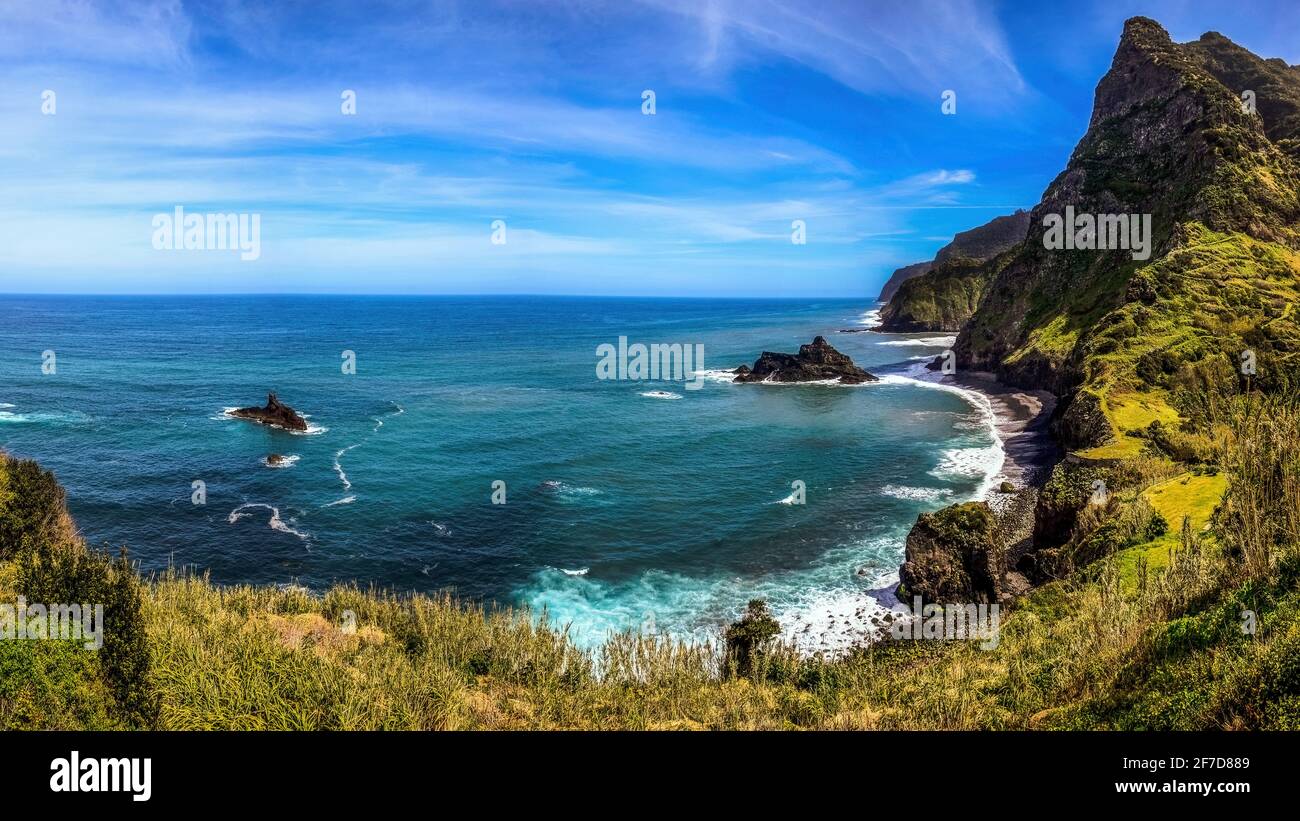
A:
(1138, 339)
(1169, 139)
(943, 299)
(944, 295)
(1271, 85)
(900, 276)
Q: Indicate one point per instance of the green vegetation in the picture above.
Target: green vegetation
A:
(1148, 636)
(942, 299)
(1167, 545)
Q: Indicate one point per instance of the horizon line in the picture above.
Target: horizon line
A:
(8, 294)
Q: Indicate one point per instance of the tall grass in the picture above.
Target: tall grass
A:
(1085, 651)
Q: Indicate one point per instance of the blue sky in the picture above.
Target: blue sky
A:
(531, 113)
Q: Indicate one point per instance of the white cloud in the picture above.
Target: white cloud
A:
(140, 32)
(916, 47)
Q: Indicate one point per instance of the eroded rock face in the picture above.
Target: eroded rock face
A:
(815, 362)
(276, 414)
(1073, 486)
(953, 557)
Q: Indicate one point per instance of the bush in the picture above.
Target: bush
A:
(749, 639)
(32, 508)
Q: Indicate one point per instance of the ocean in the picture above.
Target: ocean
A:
(641, 505)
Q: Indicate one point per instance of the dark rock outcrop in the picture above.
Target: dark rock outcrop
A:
(276, 414)
(954, 557)
(815, 362)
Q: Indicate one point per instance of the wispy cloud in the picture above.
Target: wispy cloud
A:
(893, 48)
(467, 114)
(149, 32)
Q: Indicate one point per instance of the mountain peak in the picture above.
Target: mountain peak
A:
(1144, 30)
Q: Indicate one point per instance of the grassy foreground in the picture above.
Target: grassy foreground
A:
(1149, 636)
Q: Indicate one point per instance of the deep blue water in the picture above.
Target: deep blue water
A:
(664, 512)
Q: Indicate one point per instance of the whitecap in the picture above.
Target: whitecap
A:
(563, 489)
(716, 375)
(660, 395)
(915, 494)
(346, 500)
(70, 417)
(275, 522)
(338, 465)
(925, 341)
(582, 571)
(964, 464)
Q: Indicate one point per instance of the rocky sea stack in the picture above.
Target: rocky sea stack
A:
(276, 414)
(953, 556)
(815, 362)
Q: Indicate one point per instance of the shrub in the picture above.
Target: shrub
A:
(749, 639)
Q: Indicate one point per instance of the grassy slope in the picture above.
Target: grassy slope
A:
(1219, 295)
(1189, 497)
(1090, 650)
(1149, 635)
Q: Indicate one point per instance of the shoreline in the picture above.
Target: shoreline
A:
(1020, 423)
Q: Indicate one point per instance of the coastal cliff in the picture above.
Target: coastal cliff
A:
(900, 276)
(946, 293)
(1140, 343)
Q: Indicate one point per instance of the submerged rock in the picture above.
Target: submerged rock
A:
(276, 414)
(815, 362)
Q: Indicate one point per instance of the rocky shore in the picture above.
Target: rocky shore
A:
(947, 558)
(986, 570)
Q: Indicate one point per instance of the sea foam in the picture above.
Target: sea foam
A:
(275, 522)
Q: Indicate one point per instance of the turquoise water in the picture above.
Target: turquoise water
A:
(624, 508)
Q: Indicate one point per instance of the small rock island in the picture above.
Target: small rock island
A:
(815, 362)
(276, 414)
